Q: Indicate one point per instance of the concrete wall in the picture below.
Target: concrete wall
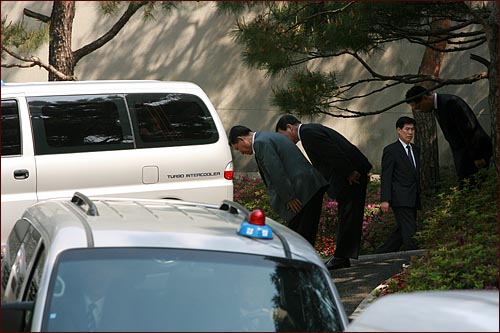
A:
(193, 44)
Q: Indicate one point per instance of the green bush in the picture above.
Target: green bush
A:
(459, 229)
(251, 193)
(461, 237)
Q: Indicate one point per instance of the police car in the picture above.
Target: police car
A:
(106, 264)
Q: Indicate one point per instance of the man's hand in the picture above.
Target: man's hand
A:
(480, 163)
(295, 205)
(385, 206)
(354, 177)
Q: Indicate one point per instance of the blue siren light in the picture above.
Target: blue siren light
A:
(256, 226)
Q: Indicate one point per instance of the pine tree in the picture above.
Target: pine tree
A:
(286, 37)
(18, 41)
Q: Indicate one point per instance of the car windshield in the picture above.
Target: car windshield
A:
(186, 290)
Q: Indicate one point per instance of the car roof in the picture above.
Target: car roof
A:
(431, 311)
(121, 222)
(97, 87)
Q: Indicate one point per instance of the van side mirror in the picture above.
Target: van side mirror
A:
(14, 316)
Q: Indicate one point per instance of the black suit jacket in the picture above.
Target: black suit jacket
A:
(333, 155)
(285, 171)
(400, 181)
(461, 128)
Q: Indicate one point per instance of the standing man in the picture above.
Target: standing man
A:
(400, 186)
(470, 145)
(346, 169)
(295, 188)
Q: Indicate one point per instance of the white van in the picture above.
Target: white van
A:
(142, 139)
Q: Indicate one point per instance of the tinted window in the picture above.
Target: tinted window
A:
(11, 130)
(12, 247)
(171, 120)
(25, 258)
(188, 290)
(34, 283)
(16, 237)
(69, 124)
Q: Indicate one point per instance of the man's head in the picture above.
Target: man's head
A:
(405, 126)
(420, 99)
(288, 125)
(241, 139)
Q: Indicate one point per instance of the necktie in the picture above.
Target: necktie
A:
(91, 317)
(410, 156)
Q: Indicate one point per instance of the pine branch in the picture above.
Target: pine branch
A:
(480, 59)
(477, 42)
(115, 29)
(35, 61)
(18, 65)
(305, 20)
(413, 80)
(410, 79)
(36, 16)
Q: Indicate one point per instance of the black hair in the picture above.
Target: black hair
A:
(415, 94)
(237, 131)
(402, 121)
(285, 120)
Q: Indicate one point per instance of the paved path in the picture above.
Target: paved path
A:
(355, 283)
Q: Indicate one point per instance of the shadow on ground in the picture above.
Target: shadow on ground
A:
(355, 283)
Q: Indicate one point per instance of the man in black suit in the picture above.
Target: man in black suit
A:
(295, 188)
(346, 169)
(400, 186)
(470, 145)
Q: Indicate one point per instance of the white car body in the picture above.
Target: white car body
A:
(431, 311)
(187, 170)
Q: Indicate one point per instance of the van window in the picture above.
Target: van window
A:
(11, 131)
(83, 123)
(161, 120)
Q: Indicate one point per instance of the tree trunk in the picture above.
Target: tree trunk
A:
(61, 27)
(426, 134)
(492, 37)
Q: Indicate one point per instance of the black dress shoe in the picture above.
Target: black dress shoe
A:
(336, 263)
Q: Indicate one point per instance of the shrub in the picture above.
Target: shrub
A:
(461, 237)
(376, 226)
(325, 239)
(252, 194)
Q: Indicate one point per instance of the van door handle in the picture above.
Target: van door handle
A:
(21, 174)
